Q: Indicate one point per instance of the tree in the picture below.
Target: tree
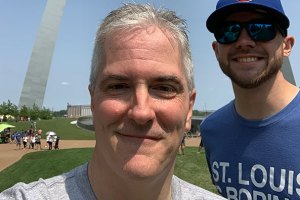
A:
(8, 109)
(24, 112)
(1, 109)
(60, 113)
(45, 113)
(15, 111)
(200, 113)
(197, 113)
(34, 112)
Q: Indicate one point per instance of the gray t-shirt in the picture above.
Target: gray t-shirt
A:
(75, 185)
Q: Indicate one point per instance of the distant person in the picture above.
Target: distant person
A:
(32, 141)
(50, 141)
(28, 132)
(22, 133)
(40, 131)
(198, 133)
(182, 144)
(252, 143)
(38, 138)
(18, 139)
(25, 139)
(56, 144)
(12, 138)
(142, 95)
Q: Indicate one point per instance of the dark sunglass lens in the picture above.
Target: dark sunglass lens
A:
(228, 33)
(261, 31)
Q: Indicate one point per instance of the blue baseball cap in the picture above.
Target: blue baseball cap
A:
(224, 8)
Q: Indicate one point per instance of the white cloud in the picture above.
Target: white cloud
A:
(65, 83)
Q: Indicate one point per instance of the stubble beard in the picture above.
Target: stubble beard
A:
(265, 74)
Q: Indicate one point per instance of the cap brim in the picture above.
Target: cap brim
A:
(219, 15)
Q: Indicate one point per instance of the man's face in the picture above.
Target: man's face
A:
(141, 105)
(246, 62)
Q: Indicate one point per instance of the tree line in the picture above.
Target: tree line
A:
(11, 112)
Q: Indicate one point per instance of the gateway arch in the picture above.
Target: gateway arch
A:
(36, 78)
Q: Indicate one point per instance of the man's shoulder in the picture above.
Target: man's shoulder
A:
(37, 189)
(184, 190)
(220, 113)
(54, 188)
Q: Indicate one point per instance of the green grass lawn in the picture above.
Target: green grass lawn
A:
(44, 164)
(192, 167)
(61, 126)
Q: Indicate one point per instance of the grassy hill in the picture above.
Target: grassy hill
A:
(61, 126)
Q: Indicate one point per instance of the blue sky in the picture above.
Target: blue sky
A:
(69, 74)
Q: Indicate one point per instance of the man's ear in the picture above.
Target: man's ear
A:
(188, 122)
(92, 91)
(215, 46)
(288, 44)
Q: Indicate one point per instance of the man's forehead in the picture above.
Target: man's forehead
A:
(141, 34)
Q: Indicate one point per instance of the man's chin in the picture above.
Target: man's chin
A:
(142, 167)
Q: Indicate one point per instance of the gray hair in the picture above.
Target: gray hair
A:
(142, 15)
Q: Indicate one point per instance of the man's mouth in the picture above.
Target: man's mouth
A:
(140, 136)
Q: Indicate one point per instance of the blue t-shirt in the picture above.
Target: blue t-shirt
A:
(18, 137)
(254, 159)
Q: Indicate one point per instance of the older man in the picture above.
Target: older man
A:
(142, 94)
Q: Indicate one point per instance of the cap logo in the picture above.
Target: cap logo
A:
(244, 0)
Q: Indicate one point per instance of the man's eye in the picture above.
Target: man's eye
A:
(117, 86)
(166, 88)
(166, 91)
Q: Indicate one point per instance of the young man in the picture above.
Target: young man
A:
(142, 94)
(252, 143)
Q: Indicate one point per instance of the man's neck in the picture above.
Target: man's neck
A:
(108, 185)
(265, 100)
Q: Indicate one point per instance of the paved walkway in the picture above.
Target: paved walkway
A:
(9, 153)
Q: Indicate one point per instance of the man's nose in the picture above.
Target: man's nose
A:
(245, 40)
(141, 109)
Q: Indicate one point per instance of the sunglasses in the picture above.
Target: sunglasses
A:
(229, 32)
